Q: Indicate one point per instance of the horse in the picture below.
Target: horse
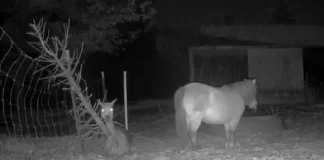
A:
(198, 102)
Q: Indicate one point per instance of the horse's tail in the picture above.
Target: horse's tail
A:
(180, 117)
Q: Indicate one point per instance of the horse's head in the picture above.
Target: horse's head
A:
(248, 90)
(251, 93)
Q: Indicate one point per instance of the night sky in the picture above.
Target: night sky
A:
(140, 59)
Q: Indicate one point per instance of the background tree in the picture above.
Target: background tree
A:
(113, 23)
(282, 14)
(102, 25)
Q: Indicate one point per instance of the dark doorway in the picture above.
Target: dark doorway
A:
(314, 67)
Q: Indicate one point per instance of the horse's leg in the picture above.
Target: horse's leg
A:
(193, 127)
(227, 133)
(230, 133)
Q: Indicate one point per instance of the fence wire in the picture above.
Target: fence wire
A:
(32, 108)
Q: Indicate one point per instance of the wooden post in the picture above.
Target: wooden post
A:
(191, 66)
(125, 100)
(75, 111)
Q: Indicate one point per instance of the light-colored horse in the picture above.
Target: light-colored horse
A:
(197, 102)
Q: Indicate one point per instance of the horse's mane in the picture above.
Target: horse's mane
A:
(243, 87)
(238, 86)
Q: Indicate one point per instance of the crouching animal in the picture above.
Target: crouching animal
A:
(120, 141)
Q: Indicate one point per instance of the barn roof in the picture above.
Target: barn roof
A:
(285, 35)
(236, 36)
(225, 41)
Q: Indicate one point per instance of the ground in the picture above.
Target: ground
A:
(256, 137)
(154, 137)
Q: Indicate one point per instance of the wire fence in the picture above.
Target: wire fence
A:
(32, 107)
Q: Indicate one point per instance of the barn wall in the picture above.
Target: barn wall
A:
(276, 68)
(217, 67)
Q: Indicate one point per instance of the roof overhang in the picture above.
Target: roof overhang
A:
(287, 35)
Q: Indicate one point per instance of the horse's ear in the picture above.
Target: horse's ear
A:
(113, 102)
(253, 81)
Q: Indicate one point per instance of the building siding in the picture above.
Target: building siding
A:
(277, 69)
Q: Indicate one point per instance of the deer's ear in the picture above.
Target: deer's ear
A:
(113, 102)
(254, 81)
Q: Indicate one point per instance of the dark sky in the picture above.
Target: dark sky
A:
(245, 12)
(185, 13)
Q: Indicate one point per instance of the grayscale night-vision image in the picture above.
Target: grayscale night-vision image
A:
(161, 80)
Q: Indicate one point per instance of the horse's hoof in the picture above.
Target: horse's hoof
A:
(197, 147)
(216, 147)
(237, 145)
(226, 145)
(231, 145)
(180, 150)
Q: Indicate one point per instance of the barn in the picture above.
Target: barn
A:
(279, 70)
